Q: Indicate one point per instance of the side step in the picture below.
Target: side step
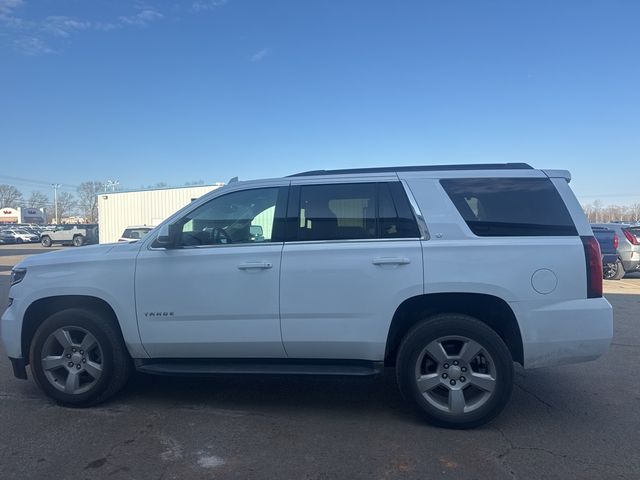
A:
(179, 366)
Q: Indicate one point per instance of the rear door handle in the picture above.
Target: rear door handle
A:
(391, 261)
(255, 265)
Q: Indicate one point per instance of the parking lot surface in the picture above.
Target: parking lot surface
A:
(575, 421)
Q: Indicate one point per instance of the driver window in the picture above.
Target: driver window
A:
(239, 217)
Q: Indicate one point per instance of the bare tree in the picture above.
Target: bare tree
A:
(10, 196)
(597, 211)
(88, 200)
(66, 205)
(634, 211)
(38, 200)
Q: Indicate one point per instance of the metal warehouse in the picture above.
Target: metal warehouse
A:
(119, 210)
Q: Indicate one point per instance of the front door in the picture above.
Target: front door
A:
(216, 293)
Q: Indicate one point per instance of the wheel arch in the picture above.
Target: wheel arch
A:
(491, 310)
(41, 309)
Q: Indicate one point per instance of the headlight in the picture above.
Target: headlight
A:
(17, 275)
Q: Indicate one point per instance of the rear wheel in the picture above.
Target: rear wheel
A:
(78, 241)
(614, 271)
(456, 370)
(46, 241)
(78, 358)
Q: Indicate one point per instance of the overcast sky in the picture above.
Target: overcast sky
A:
(176, 91)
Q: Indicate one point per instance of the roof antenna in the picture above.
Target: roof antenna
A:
(233, 180)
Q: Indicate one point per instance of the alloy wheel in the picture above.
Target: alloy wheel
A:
(455, 374)
(72, 360)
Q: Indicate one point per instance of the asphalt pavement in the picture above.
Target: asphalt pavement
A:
(576, 421)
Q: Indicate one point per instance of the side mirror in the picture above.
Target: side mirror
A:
(167, 236)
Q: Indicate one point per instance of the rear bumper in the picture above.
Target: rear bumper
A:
(565, 332)
(631, 266)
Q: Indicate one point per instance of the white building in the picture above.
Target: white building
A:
(119, 210)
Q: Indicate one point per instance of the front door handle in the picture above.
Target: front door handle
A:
(255, 265)
(391, 261)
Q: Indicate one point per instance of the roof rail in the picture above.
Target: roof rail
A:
(418, 168)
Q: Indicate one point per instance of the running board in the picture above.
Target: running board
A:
(257, 367)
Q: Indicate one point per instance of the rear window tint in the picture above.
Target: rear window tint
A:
(507, 207)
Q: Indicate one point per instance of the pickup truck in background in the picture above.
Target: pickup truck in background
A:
(608, 240)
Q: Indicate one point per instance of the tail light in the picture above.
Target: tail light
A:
(616, 241)
(631, 237)
(594, 266)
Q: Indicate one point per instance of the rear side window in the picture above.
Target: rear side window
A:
(337, 212)
(396, 219)
(508, 207)
(353, 211)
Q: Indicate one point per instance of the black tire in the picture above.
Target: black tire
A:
(46, 241)
(116, 362)
(455, 325)
(614, 271)
(18, 240)
(78, 241)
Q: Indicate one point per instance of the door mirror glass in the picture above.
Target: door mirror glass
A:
(167, 236)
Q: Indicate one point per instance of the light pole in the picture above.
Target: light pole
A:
(55, 186)
(112, 184)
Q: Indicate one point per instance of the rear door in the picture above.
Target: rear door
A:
(352, 255)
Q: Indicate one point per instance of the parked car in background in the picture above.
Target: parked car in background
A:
(33, 231)
(608, 240)
(132, 234)
(22, 236)
(6, 238)
(70, 234)
(628, 247)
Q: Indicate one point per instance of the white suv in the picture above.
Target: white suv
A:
(448, 273)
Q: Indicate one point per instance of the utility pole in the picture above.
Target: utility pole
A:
(55, 186)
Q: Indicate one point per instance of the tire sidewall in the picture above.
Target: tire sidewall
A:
(78, 241)
(455, 325)
(72, 318)
(46, 241)
(620, 273)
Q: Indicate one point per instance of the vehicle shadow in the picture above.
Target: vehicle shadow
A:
(259, 393)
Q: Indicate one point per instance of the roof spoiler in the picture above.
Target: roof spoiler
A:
(566, 174)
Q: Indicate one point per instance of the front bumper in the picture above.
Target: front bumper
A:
(10, 334)
(19, 367)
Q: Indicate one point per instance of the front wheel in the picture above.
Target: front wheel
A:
(78, 358)
(19, 240)
(45, 241)
(456, 370)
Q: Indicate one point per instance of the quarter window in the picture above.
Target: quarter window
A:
(507, 207)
